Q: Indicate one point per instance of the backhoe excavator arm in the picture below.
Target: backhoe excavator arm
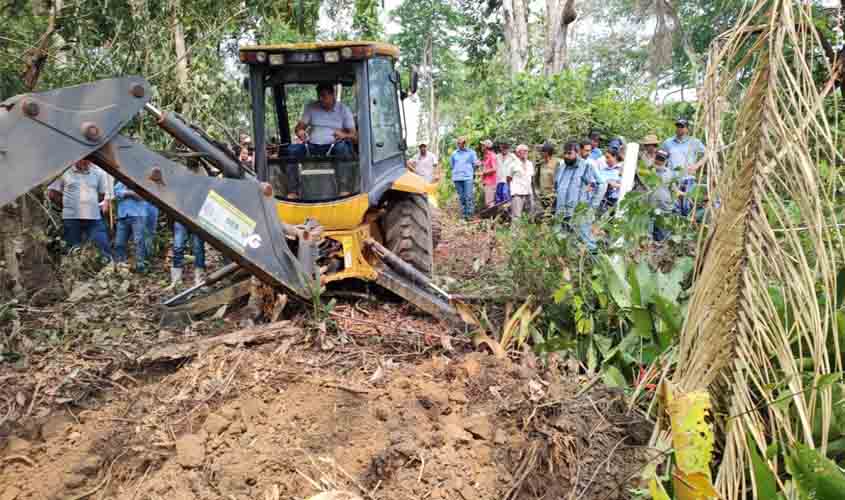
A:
(42, 134)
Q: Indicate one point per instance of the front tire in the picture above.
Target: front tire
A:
(408, 233)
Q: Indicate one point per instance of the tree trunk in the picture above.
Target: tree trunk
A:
(559, 15)
(434, 143)
(181, 53)
(516, 33)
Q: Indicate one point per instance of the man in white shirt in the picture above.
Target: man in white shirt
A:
(79, 192)
(521, 179)
(425, 163)
(327, 127)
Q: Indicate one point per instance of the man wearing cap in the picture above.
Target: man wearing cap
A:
(463, 163)
(685, 154)
(661, 197)
(488, 173)
(424, 163)
(684, 150)
(521, 181)
(573, 187)
(504, 163)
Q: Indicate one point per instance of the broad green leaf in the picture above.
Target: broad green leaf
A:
(643, 324)
(764, 479)
(772, 451)
(816, 477)
(592, 358)
(671, 316)
(643, 283)
(562, 292)
(617, 285)
(611, 376)
(828, 380)
(628, 344)
(669, 286)
(604, 344)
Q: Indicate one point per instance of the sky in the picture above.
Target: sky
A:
(412, 104)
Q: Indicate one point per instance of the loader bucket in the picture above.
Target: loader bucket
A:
(42, 134)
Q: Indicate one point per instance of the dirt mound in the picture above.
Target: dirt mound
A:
(280, 422)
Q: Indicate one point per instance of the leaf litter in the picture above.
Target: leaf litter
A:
(397, 407)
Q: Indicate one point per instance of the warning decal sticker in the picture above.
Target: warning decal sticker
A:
(226, 221)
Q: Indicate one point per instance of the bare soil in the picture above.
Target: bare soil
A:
(378, 400)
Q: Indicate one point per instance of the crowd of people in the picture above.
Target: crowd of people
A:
(89, 198)
(585, 174)
(95, 208)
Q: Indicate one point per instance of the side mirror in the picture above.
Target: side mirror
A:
(246, 83)
(415, 81)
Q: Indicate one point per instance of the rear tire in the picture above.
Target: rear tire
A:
(407, 231)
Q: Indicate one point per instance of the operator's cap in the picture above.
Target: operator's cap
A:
(615, 144)
(423, 143)
(487, 143)
(682, 122)
(547, 147)
(661, 155)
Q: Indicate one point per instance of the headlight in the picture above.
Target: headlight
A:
(261, 57)
(331, 57)
(346, 52)
(277, 59)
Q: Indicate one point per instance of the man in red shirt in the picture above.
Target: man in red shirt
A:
(488, 173)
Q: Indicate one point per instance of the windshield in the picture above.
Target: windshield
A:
(384, 110)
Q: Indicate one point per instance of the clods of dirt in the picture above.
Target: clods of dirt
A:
(257, 424)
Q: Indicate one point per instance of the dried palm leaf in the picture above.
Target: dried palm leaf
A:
(763, 164)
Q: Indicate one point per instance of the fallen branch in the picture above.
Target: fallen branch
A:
(250, 336)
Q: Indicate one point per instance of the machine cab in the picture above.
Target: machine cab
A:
(284, 82)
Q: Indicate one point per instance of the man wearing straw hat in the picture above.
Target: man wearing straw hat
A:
(649, 150)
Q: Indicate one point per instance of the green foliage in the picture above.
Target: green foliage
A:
(814, 476)
(365, 21)
(435, 22)
(615, 312)
(533, 109)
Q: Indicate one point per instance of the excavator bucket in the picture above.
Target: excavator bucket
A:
(42, 134)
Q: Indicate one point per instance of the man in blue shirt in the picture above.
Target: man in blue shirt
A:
(131, 216)
(685, 152)
(463, 162)
(574, 183)
(685, 157)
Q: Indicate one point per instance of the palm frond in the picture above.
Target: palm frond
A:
(755, 318)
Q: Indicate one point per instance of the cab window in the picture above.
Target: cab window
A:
(384, 110)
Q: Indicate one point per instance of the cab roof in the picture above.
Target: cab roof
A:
(379, 48)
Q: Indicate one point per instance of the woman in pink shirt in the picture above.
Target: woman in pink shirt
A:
(488, 173)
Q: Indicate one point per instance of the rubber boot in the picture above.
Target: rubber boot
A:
(199, 276)
(175, 278)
